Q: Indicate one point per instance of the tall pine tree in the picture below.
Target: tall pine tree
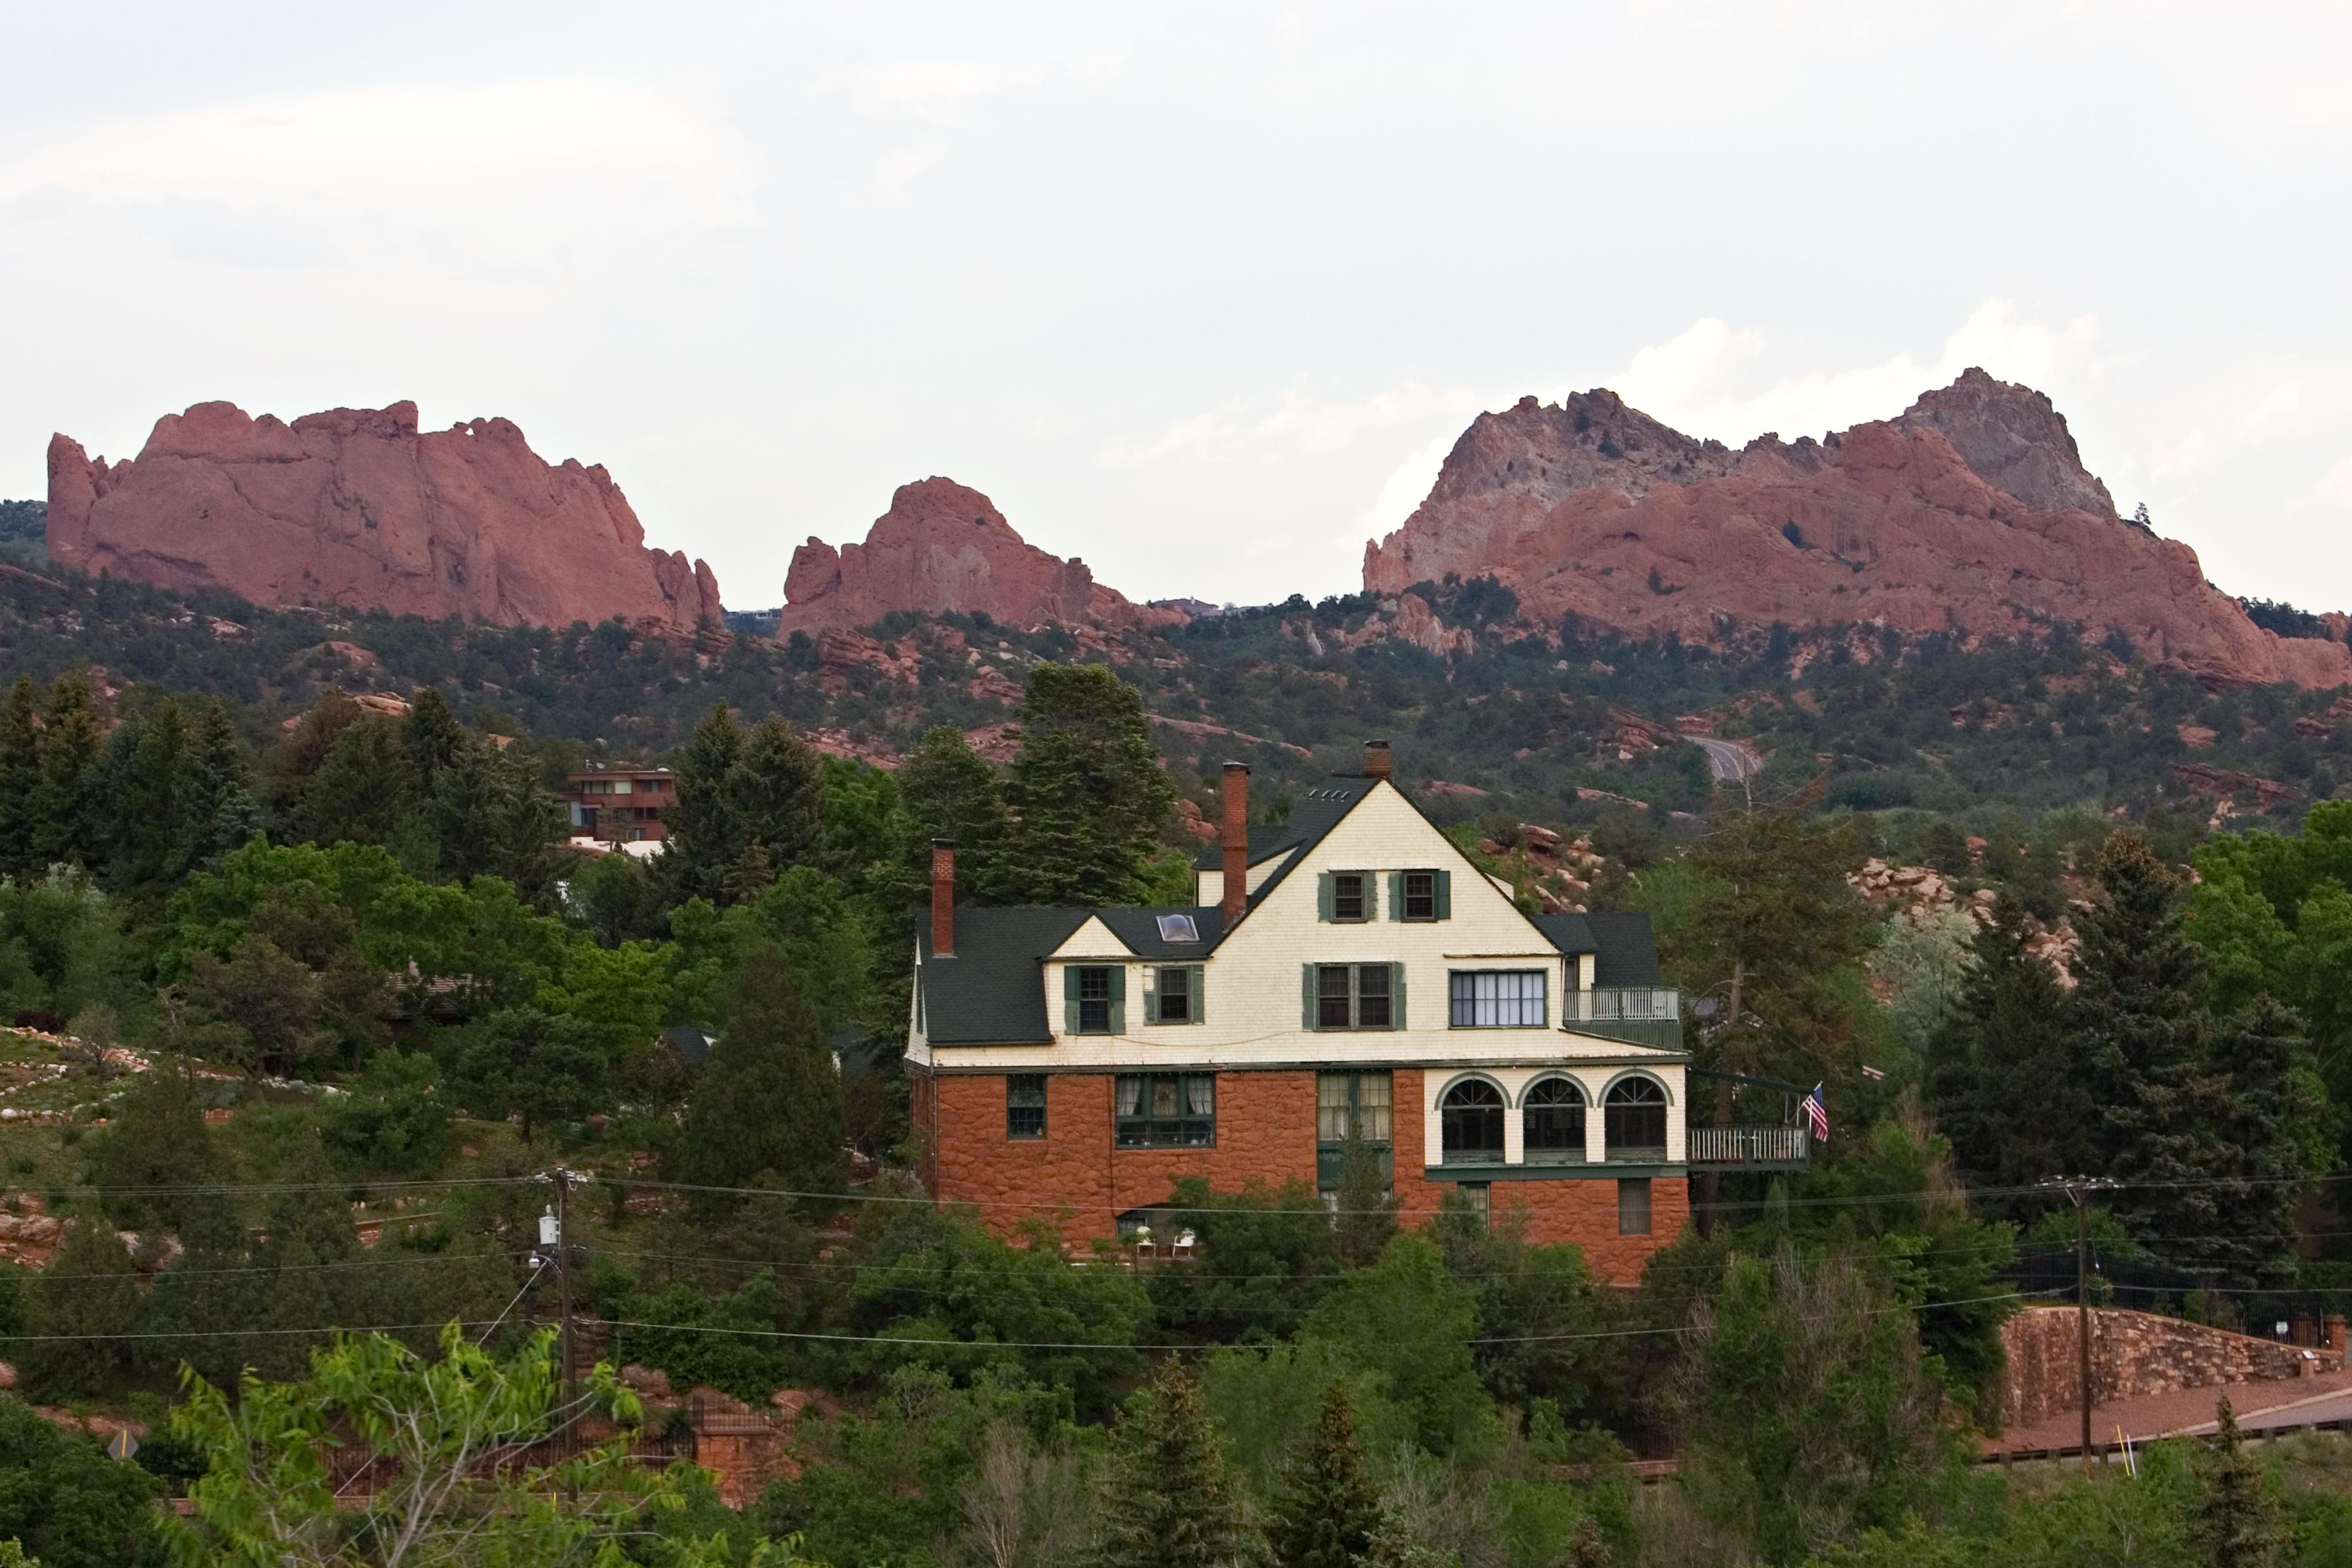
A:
(952, 792)
(1088, 794)
(20, 776)
(777, 789)
(2274, 1129)
(223, 815)
(2233, 1522)
(1169, 1500)
(2013, 1028)
(769, 1102)
(63, 814)
(1328, 1509)
(704, 840)
(2139, 1012)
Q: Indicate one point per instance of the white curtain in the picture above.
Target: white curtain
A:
(1201, 1090)
(1130, 1095)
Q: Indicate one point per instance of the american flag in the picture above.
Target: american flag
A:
(1817, 1115)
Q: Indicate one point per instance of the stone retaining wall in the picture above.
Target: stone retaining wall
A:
(2134, 1353)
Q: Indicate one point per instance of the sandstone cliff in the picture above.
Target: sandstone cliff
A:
(943, 546)
(1971, 513)
(354, 507)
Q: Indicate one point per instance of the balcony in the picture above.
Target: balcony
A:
(1749, 1148)
(1643, 1015)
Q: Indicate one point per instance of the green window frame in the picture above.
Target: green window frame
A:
(1025, 1105)
(1093, 999)
(1178, 994)
(1347, 996)
(1165, 1111)
(1421, 896)
(1360, 1105)
(1347, 898)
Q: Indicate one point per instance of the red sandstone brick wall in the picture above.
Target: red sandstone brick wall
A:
(2133, 1354)
(1075, 1178)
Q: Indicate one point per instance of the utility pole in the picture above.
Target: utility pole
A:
(555, 1246)
(2075, 1188)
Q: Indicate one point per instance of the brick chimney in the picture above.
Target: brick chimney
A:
(1236, 839)
(943, 899)
(1376, 759)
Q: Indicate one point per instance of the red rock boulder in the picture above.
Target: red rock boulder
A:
(354, 506)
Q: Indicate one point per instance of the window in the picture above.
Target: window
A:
(1178, 928)
(1481, 1198)
(1419, 901)
(1355, 997)
(1025, 1105)
(1634, 1206)
(1552, 1122)
(1497, 998)
(1358, 1105)
(1345, 896)
(1178, 994)
(1166, 1111)
(1470, 1124)
(1634, 1121)
(1093, 999)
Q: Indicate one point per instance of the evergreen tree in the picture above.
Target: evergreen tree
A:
(361, 792)
(704, 840)
(205, 1298)
(1365, 1209)
(222, 814)
(62, 814)
(1328, 1509)
(2013, 1029)
(146, 772)
(770, 1099)
(156, 1138)
(1088, 794)
(432, 739)
(777, 790)
(2275, 1129)
(20, 775)
(81, 1311)
(2233, 1522)
(297, 758)
(952, 792)
(64, 1504)
(1169, 1500)
(2138, 1010)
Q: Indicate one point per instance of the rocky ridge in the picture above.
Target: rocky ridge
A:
(1970, 513)
(354, 506)
(942, 547)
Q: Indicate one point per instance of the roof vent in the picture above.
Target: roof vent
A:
(1178, 928)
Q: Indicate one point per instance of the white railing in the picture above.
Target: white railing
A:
(1748, 1145)
(1613, 1004)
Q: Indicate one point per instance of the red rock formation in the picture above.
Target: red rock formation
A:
(943, 546)
(1970, 513)
(354, 507)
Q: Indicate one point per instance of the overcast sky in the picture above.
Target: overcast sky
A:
(1199, 292)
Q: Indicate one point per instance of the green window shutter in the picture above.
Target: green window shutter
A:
(1306, 996)
(1200, 994)
(1150, 998)
(1396, 895)
(1323, 897)
(1396, 995)
(1069, 998)
(1119, 998)
(1445, 895)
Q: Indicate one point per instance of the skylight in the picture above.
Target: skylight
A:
(1178, 928)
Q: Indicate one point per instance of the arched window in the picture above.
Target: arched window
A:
(1470, 1121)
(1552, 1117)
(1633, 1119)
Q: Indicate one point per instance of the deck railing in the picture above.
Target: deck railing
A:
(1748, 1145)
(1622, 1004)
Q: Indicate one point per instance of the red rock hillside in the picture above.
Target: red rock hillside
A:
(1971, 513)
(943, 546)
(354, 507)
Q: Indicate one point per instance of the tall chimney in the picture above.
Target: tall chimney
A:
(943, 899)
(1376, 759)
(1236, 839)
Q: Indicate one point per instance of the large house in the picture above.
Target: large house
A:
(1347, 974)
(621, 805)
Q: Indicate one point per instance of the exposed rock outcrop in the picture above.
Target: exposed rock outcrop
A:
(1970, 513)
(944, 546)
(354, 507)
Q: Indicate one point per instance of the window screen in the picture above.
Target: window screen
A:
(1497, 998)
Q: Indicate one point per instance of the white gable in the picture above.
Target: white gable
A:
(1092, 940)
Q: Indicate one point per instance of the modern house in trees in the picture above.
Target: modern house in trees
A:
(1347, 974)
(620, 805)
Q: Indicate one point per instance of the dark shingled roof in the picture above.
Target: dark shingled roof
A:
(1625, 951)
(988, 990)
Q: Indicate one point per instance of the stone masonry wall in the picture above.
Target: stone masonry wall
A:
(2134, 1353)
(1074, 1180)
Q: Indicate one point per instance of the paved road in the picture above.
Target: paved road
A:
(1729, 759)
